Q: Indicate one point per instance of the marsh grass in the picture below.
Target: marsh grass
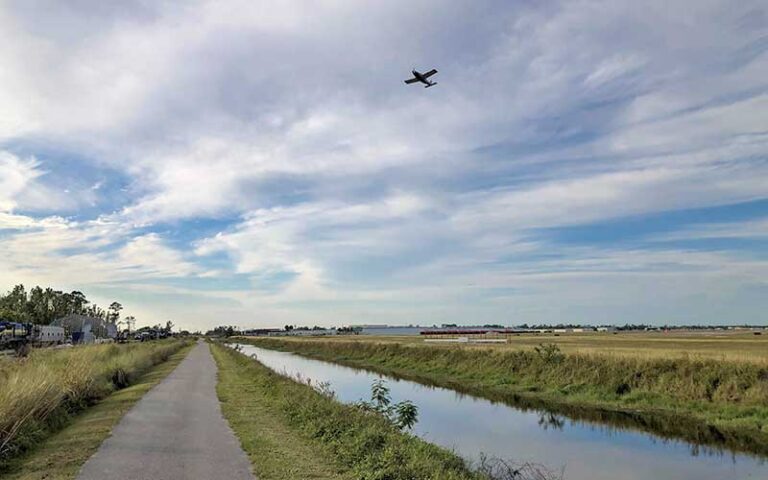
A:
(294, 428)
(38, 394)
(729, 399)
(61, 455)
(730, 347)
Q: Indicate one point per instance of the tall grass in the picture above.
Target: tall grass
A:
(730, 397)
(39, 393)
(612, 377)
(366, 444)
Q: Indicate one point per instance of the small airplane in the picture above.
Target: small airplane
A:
(422, 77)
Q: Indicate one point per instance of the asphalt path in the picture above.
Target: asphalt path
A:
(175, 432)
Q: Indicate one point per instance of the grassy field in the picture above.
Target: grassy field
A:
(729, 346)
(40, 394)
(690, 392)
(61, 456)
(291, 431)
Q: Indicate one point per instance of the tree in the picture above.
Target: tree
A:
(130, 322)
(168, 327)
(15, 300)
(114, 312)
(222, 331)
(78, 302)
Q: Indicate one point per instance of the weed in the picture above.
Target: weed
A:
(403, 415)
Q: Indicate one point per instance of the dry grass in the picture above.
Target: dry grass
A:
(726, 346)
(62, 455)
(38, 394)
(726, 397)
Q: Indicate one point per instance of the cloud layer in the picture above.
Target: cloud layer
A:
(259, 163)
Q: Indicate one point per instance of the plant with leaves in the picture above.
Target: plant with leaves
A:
(549, 352)
(403, 415)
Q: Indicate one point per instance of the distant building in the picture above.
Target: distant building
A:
(85, 329)
(260, 332)
(302, 333)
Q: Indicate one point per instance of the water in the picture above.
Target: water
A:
(471, 426)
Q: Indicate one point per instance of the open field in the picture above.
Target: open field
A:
(40, 394)
(290, 431)
(691, 393)
(61, 456)
(732, 346)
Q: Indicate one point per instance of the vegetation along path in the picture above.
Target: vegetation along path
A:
(175, 432)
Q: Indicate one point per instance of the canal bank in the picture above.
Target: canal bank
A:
(702, 401)
(290, 430)
(473, 426)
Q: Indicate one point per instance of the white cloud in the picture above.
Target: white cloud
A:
(21, 186)
(755, 229)
(15, 175)
(292, 117)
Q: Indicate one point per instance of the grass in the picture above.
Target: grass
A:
(699, 399)
(289, 430)
(61, 456)
(736, 346)
(267, 440)
(39, 395)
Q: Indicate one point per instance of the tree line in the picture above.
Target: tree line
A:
(44, 305)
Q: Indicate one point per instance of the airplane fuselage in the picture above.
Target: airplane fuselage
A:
(421, 78)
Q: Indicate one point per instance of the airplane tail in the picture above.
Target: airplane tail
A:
(431, 85)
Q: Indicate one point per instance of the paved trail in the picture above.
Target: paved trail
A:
(175, 432)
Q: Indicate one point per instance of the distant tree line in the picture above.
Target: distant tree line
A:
(42, 306)
(290, 328)
(229, 330)
(223, 331)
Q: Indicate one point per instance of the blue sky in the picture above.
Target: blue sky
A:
(262, 163)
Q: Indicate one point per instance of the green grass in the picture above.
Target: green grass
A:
(290, 431)
(701, 400)
(39, 395)
(61, 456)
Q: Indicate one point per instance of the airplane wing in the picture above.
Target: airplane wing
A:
(412, 80)
(429, 73)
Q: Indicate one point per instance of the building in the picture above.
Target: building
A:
(260, 332)
(85, 329)
(302, 333)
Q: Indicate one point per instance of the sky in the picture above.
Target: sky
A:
(262, 163)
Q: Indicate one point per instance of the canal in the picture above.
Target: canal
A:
(472, 427)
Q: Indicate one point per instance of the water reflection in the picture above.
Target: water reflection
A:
(550, 420)
(584, 447)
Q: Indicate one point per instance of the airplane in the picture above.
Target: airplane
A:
(423, 78)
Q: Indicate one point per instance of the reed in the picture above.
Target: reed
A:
(39, 394)
(728, 398)
(272, 414)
